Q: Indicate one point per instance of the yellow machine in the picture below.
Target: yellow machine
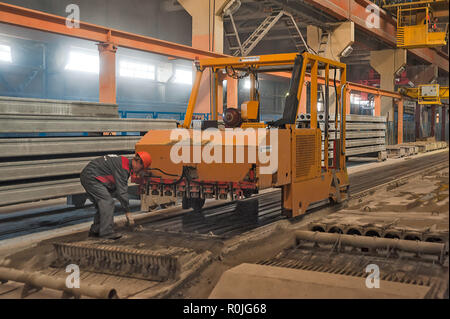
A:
(180, 169)
(427, 93)
(416, 24)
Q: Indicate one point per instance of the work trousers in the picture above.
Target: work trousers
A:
(99, 194)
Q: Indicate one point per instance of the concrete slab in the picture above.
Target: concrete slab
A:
(395, 151)
(252, 281)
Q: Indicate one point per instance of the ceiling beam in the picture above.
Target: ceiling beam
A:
(38, 20)
(355, 10)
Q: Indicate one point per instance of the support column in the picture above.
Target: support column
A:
(417, 121)
(400, 121)
(207, 34)
(107, 73)
(232, 93)
(443, 123)
(340, 38)
(387, 63)
(377, 105)
(433, 121)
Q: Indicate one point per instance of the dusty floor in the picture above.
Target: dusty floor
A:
(418, 206)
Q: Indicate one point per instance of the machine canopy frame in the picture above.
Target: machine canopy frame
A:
(258, 64)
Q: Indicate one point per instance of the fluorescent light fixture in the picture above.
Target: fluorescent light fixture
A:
(137, 70)
(400, 71)
(83, 61)
(347, 51)
(5, 53)
(183, 76)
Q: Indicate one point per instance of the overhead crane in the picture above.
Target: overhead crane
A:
(427, 93)
(416, 24)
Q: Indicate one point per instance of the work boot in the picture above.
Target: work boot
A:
(113, 236)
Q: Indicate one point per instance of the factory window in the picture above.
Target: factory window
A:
(137, 70)
(83, 61)
(183, 76)
(164, 72)
(356, 99)
(5, 53)
(247, 84)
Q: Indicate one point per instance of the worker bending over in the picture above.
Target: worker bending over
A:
(109, 175)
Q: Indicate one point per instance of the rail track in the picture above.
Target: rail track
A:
(365, 180)
(234, 218)
(218, 220)
(172, 250)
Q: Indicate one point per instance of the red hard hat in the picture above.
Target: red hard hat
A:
(146, 158)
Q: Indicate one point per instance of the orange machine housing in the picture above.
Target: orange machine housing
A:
(302, 169)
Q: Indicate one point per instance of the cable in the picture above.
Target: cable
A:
(342, 122)
(235, 75)
(160, 170)
(336, 108)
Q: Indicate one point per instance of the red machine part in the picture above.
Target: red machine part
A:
(198, 189)
(159, 186)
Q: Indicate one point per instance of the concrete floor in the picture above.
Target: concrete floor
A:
(420, 204)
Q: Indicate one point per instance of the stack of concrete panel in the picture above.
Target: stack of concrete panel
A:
(428, 146)
(24, 106)
(408, 149)
(397, 151)
(43, 167)
(365, 134)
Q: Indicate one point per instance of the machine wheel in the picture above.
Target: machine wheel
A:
(197, 203)
(232, 117)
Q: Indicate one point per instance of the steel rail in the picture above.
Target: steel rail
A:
(269, 202)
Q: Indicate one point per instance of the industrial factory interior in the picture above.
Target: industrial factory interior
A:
(224, 154)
